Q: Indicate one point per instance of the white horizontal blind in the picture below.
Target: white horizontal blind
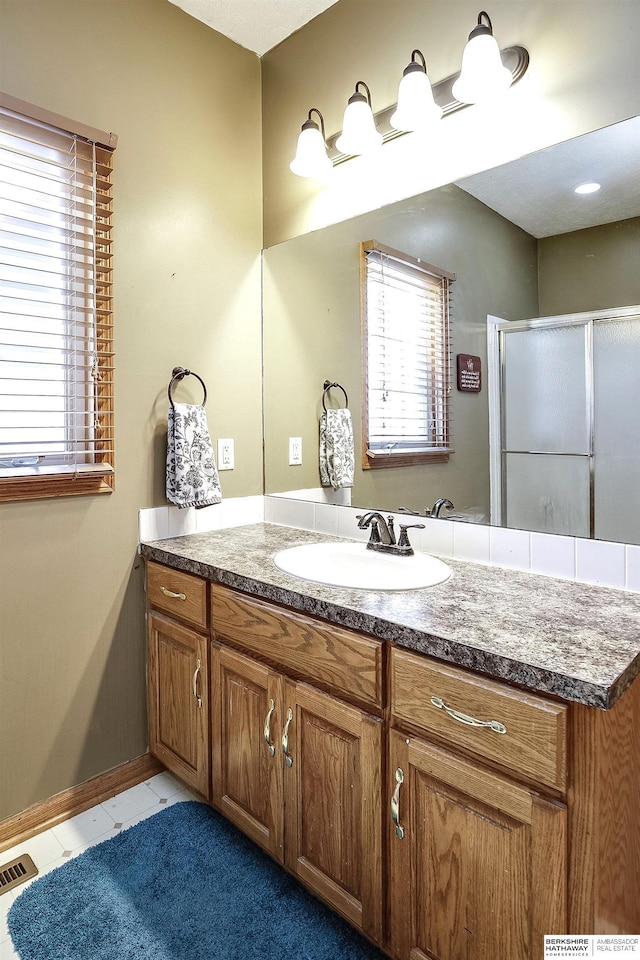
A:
(407, 343)
(56, 342)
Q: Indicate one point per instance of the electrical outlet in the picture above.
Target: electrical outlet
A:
(295, 451)
(225, 454)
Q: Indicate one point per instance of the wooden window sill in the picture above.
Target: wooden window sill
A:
(382, 461)
(38, 488)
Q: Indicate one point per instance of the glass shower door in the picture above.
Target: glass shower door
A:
(546, 428)
(616, 364)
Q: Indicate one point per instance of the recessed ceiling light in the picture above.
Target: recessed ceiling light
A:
(587, 188)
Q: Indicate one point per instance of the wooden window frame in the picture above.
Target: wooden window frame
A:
(29, 483)
(372, 460)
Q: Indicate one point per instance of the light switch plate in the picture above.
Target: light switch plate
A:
(225, 455)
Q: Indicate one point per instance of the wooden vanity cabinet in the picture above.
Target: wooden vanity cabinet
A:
(478, 859)
(247, 768)
(477, 862)
(333, 803)
(294, 766)
(439, 838)
(177, 674)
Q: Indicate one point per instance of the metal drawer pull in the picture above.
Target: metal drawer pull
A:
(172, 595)
(267, 729)
(195, 684)
(395, 804)
(288, 759)
(494, 725)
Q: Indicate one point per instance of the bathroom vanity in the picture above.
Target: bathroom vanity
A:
(455, 770)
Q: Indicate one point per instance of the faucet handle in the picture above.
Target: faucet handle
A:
(403, 539)
(392, 533)
(374, 536)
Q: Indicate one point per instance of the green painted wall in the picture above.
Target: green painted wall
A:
(590, 269)
(185, 103)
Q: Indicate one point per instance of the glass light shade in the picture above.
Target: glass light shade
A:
(359, 134)
(311, 158)
(483, 75)
(416, 109)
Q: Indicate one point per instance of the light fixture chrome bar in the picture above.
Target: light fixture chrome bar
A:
(515, 59)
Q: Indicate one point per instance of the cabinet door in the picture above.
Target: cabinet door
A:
(247, 758)
(178, 701)
(332, 782)
(478, 863)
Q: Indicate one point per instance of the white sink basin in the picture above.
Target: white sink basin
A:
(352, 565)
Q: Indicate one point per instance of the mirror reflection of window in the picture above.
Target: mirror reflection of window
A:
(406, 330)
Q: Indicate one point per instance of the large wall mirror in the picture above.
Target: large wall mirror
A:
(523, 245)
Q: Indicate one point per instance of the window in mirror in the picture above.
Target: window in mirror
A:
(56, 343)
(406, 328)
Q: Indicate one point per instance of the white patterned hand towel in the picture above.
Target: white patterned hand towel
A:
(336, 449)
(192, 476)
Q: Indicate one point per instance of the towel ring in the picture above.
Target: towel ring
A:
(327, 386)
(178, 374)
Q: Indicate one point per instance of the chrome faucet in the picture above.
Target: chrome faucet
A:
(438, 505)
(434, 512)
(381, 531)
(383, 537)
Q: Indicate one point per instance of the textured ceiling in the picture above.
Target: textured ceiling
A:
(257, 25)
(537, 192)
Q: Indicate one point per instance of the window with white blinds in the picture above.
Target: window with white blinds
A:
(406, 341)
(56, 330)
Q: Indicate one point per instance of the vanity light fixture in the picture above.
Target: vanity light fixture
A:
(486, 71)
(587, 188)
(359, 134)
(483, 75)
(416, 109)
(311, 158)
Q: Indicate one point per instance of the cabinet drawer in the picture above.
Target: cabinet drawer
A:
(177, 593)
(534, 741)
(306, 649)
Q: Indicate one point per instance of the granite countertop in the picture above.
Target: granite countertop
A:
(576, 641)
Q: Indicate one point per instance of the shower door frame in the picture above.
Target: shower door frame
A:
(496, 332)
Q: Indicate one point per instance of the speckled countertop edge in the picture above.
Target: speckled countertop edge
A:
(576, 641)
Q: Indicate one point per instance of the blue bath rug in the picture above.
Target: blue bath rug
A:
(182, 885)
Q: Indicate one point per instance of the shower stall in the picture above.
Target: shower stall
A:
(564, 423)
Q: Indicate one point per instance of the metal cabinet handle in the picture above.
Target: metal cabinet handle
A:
(267, 729)
(494, 725)
(395, 804)
(196, 673)
(288, 759)
(172, 595)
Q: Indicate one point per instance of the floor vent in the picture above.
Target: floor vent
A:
(16, 872)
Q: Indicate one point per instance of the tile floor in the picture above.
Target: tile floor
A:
(53, 847)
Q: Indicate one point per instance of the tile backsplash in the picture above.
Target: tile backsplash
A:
(571, 558)
(158, 523)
